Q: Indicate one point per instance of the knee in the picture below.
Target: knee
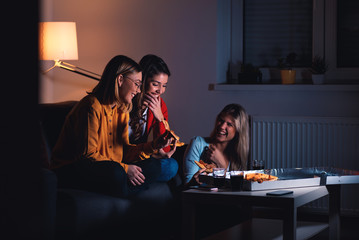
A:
(169, 169)
(112, 179)
(116, 172)
(172, 166)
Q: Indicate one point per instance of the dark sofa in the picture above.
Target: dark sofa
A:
(78, 214)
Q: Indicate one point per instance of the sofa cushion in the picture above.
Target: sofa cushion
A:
(89, 215)
(83, 214)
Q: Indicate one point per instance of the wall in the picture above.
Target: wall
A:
(184, 34)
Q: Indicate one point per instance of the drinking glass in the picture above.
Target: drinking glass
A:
(237, 180)
(258, 164)
(219, 177)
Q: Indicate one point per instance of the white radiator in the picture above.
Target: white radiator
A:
(291, 142)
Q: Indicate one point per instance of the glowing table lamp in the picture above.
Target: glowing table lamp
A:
(57, 42)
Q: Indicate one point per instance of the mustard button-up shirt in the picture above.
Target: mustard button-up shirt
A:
(99, 133)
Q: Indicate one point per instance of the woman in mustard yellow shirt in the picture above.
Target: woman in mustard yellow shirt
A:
(93, 150)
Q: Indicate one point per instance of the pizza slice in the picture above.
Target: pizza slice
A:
(260, 177)
(208, 166)
(172, 133)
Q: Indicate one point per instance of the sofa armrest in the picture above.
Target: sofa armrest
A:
(48, 198)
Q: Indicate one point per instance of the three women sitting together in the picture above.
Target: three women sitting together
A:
(116, 139)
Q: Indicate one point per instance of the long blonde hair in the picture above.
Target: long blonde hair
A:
(107, 90)
(238, 148)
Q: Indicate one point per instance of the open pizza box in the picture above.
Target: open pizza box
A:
(295, 177)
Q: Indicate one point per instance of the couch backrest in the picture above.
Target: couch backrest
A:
(52, 117)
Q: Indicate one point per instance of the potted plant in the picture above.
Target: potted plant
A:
(318, 69)
(286, 68)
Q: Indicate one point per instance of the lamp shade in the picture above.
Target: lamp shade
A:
(57, 41)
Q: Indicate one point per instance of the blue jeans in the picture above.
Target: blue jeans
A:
(169, 169)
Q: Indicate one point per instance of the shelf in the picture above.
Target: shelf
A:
(268, 229)
(284, 87)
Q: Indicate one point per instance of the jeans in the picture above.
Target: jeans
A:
(169, 169)
(107, 177)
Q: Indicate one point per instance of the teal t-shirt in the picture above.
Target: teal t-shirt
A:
(193, 153)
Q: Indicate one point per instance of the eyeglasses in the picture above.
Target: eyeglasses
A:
(138, 85)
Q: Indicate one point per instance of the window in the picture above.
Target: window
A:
(261, 31)
(273, 29)
(348, 34)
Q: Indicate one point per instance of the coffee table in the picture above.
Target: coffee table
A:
(289, 204)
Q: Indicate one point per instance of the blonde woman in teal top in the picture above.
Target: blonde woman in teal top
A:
(226, 147)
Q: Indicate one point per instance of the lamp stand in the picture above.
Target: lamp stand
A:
(73, 68)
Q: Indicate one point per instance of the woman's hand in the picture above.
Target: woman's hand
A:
(135, 175)
(162, 141)
(154, 104)
(163, 154)
(214, 155)
(196, 175)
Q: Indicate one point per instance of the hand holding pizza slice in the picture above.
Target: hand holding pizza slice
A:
(167, 127)
(208, 166)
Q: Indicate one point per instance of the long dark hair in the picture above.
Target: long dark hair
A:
(238, 148)
(107, 90)
(151, 65)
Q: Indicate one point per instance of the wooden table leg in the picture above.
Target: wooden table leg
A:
(334, 211)
(290, 223)
(188, 221)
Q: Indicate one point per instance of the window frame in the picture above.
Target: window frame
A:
(230, 41)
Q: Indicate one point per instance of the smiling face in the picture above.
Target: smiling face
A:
(225, 129)
(157, 84)
(130, 85)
